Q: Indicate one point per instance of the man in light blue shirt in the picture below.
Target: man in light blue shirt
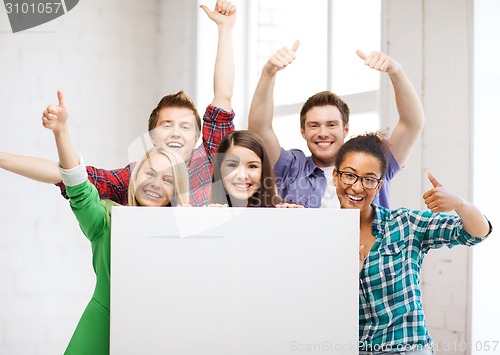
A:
(324, 120)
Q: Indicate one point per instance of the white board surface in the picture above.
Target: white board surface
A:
(234, 281)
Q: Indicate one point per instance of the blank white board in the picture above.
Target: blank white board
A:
(235, 281)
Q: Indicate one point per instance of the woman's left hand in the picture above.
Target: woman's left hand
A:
(217, 205)
(438, 199)
(289, 205)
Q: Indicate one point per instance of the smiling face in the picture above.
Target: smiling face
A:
(176, 129)
(355, 195)
(155, 182)
(324, 132)
(241, 171)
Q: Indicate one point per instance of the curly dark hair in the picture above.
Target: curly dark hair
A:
(373, 143)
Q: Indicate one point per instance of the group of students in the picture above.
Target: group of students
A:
(248, 168)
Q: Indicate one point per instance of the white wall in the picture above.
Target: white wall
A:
(109, 59)
(435, 41)
(433, 38)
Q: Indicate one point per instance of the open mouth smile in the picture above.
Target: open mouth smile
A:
(152, 195)
(242, 187)
(355, 199)
(174, 145)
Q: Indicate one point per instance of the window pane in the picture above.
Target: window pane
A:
(281, 22)
(362, 123)
(287, 130)
(356, 25)
(485, 288)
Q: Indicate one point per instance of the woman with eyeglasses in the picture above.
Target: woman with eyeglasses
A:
(391, 317)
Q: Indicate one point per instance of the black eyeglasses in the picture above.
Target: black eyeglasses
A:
(368, 182)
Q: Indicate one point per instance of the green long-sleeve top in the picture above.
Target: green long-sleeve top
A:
(91, 335)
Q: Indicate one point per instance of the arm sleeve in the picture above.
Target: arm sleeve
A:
(382, 198)
(92, 216)
(288, 167)
(216, 124)
(436, 230)
(111, 184)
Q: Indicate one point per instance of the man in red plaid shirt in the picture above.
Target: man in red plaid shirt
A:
(174, 124)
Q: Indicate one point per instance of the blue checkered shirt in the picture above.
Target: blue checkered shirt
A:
(390, 307)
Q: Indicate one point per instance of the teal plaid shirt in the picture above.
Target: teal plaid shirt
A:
(390, 307)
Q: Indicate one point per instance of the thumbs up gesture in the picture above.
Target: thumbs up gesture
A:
(281, 59)
(380, 61)
(55, 116)
(224, 13)
(438, 199)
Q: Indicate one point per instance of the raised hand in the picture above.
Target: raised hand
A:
(438, 199)
(217, 205)
(56, 116)
(261, 113)
(380, 61)
(281, 59)
(224, 13)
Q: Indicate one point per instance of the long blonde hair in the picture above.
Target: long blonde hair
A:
(181, 181)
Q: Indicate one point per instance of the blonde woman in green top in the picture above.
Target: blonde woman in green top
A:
(160, 179)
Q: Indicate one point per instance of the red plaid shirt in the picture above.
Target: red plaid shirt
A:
(113, 184)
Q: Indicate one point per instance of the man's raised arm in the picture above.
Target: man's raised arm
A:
(411, 113)
(260, 117)
(224, 15)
